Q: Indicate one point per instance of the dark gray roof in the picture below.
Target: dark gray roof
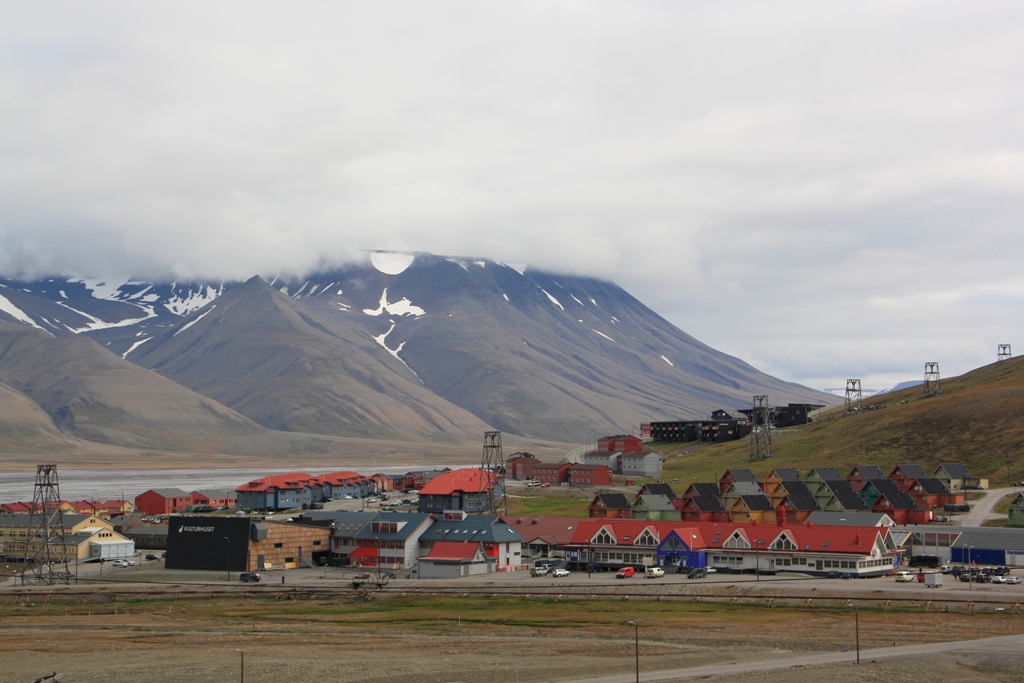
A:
(474, 528)
(707, 490)
(413, 521)
(956, 470)
(28, 521)
(933, 486)
(660, 489)
(844, 493)
(788, 473)
(981, 538)
(657, 502)
(741, 474)
(827, 473)
(759, 503)
(850, 518)
(708, 503)
(346, 524)
(912, 471)
(615, 501)
(870, 471)
(897, 498)
(145, 531)
(800, 497)
(745, 488)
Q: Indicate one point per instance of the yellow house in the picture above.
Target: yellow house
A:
(78, 529)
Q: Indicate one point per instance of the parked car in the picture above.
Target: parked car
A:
(121, 563)
(697, 573)
(1012, 579)
(848, 575)
(904, 577)
(316, 506)
(151, 557)
(545, 485)
(625, 573)
(833, 574)
(250, 577)
(946, 569)
(654, 573)
(539, 571)
(710, 570)
(363, 576)
(560, 573)
(998, 578)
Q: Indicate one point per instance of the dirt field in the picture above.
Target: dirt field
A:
(408, 637)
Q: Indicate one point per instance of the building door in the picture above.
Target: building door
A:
(818, 565)
(259, 562)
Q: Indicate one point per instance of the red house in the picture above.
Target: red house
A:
(520, 465)
(218, 498)
(622, 443)
(551, 473)
(162, 501)
(589, 475)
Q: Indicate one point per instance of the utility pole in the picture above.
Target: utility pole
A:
(854, 397)
(931, 379)
(49, 563)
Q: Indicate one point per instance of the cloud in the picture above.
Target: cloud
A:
(768, 177)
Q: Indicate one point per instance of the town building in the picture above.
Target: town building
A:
(155, 502)
(1016, 511)
(554, 474)
(215, 498)
(520, 465)
(610, 506)
(471, 489)
(641, 464)
(588, 475)
(498, 544)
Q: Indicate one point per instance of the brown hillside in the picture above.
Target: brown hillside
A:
(976, 420)
(93, 394)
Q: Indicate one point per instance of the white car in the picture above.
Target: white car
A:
(1012, 579)
(122, 563)
(559, 573)
(904, 577)
(711, 570)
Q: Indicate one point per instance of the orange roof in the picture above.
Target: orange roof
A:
(466, 480)
(451, 550)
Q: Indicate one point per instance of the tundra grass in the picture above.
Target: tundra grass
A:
(975, 420)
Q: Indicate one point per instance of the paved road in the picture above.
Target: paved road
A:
(1011, 644)
(981, 509)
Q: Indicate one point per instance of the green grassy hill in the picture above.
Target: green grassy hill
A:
(978, 420)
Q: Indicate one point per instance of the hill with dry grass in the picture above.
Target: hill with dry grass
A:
(976, 420)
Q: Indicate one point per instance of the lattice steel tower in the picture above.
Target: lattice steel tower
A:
(1003, 353)
(931, 379)
(761, 429)
(854, 397)
(46, 555)
(493, 462)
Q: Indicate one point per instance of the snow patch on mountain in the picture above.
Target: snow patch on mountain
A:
(506, 297)
(667, 361)
(402, 307)
(380, 339)
(553, 299)
(577, 301)
(101, 289)
(10, 309)
(97, 324)
(604, 335)
(135, 346)
(191, 301)
(193, 322)
(390, 262)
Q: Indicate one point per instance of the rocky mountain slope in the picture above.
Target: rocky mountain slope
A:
(409, 346)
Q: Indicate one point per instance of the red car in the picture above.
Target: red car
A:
(625, 573)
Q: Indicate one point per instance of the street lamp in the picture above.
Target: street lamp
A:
(229, 557)
(242, 670)
(636, 648)
(970, 574)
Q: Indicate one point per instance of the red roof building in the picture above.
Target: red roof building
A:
(470, 489)
(551, 473)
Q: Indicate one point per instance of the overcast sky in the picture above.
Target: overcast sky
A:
(824, 189)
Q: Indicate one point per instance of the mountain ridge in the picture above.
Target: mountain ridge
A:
(410, 345)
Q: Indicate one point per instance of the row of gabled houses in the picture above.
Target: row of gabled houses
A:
(907, 494)
(604, 544)
(105, 508)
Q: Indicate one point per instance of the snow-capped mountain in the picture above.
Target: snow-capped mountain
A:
(408, 344)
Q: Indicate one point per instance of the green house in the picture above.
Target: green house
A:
(1016, 511)
(655, 507)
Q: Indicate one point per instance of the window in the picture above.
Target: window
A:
(646, 538)
(783, 542)
(279, 545)
(603, 538)
(737, 541)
